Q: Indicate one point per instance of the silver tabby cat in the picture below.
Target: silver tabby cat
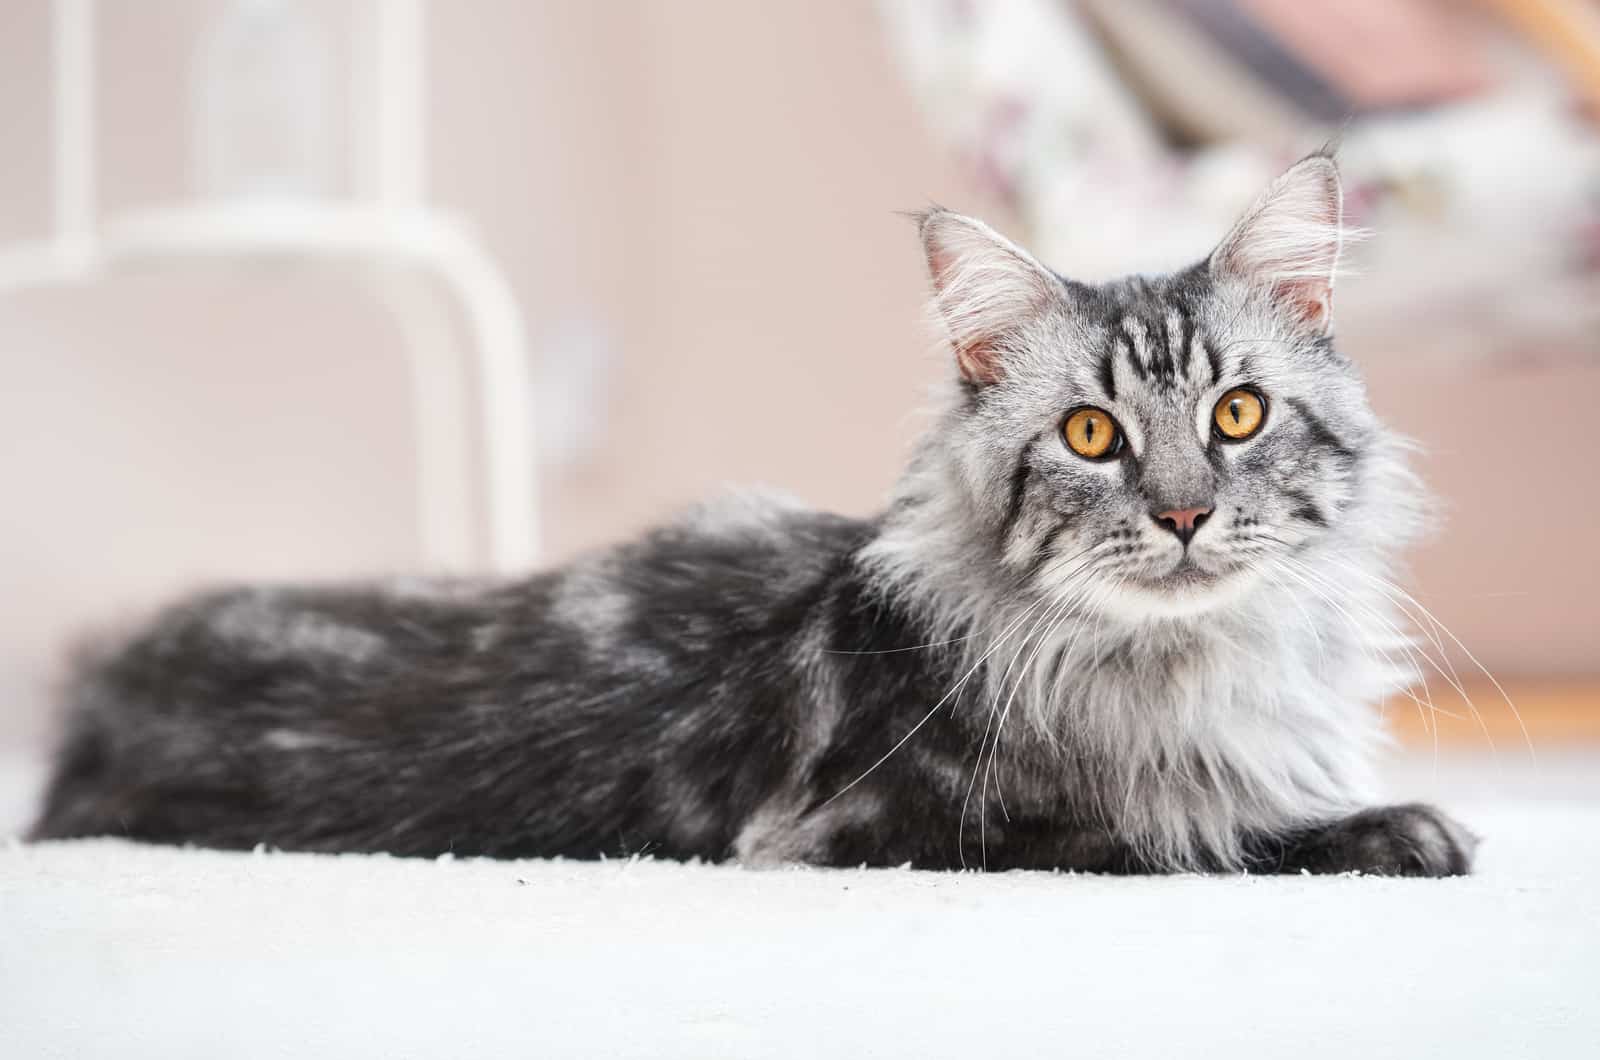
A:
(1128, 611)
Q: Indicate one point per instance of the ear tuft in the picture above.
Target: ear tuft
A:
(985, 289)
(1288, 243)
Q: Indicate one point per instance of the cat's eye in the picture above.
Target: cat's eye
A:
(1092, 434)
(1239, 414)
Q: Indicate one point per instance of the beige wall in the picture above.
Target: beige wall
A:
(714, 180)
(1513, 462)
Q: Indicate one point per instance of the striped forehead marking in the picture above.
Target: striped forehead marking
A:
(1159, 349)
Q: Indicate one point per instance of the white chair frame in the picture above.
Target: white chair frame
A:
(387, 235)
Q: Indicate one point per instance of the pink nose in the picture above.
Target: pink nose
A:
(1183, 521)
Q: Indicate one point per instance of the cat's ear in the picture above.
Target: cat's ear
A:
(1288, 243)
(986, 290)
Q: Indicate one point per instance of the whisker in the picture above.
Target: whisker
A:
(1056, 608)
(1447, 671)
(1401, 598)
(994, 750)
(956, 688)
(914, 647)
(983, 839)
(1341, 611)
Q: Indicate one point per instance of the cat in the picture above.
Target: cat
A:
(1127, 611)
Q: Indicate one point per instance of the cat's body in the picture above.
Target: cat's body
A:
(1014, 666)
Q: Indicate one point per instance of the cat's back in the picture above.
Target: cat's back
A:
(741, 554)
(264, 699)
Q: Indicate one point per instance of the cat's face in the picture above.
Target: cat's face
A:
(1156, 446)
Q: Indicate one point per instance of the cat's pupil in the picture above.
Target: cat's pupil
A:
(1088, 429)
(1233, 408)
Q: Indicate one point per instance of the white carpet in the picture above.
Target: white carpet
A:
(110, 949)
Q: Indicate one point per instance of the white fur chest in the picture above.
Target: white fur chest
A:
(1186, 739)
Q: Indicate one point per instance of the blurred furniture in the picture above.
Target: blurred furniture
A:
(1484, 180)
(1569, 30)
(387, 235)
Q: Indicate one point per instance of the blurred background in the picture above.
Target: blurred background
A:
(341, 288)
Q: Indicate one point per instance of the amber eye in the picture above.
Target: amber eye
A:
(1239, 414)
(1092, 434)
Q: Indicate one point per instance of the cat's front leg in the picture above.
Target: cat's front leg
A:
(1407, 840)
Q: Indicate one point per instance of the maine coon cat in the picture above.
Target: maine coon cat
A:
(1126, 611)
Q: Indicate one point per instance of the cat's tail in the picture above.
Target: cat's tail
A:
(74, 799)
(78, 800)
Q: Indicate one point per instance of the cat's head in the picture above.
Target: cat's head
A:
(1153, 444)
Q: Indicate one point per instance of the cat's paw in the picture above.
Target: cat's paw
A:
(1408, 840)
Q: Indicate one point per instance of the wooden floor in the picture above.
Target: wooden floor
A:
(1551, 712)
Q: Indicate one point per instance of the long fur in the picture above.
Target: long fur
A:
(1015, 665)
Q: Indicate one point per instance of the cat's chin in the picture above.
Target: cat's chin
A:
(1188, 590)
